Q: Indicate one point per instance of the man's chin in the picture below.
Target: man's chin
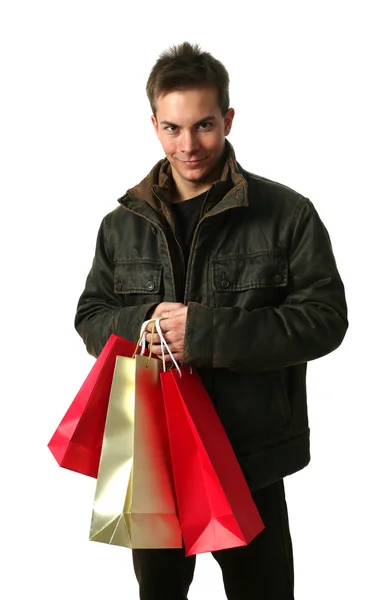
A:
(196, 178)
(194, 174)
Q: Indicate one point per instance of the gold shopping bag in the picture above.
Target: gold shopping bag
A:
(134, 504)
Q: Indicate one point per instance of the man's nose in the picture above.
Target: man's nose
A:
(189, 142)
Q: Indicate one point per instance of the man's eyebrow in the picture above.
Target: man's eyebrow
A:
(209, 118)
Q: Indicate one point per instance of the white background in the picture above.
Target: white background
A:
(310, 82)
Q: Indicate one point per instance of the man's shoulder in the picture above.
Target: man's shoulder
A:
(116, 213)
(118, 219)
(271, 187)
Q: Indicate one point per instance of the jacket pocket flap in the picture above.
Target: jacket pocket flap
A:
(137, 277)
(267, 268)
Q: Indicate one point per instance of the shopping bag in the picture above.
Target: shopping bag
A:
(215, 506)
(134, 504)
(76, 443)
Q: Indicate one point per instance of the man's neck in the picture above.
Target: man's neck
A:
(187, 192)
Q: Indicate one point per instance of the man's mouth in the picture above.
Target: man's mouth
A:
(192, 161)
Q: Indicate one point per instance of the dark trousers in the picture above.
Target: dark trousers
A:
(262, 570)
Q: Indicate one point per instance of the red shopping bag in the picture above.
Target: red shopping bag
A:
(215, 506)
(77, 442)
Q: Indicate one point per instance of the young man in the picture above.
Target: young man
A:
(243, 271)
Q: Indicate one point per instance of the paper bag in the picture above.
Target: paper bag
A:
(134, 503)
(76, 443)
(215, 506)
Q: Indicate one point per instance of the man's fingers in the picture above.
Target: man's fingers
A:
(169, 330)
(166, 307)
(172, 322)
(174, 348)
(158, 352)
(166, 325)
(178, 312)
(156, 339)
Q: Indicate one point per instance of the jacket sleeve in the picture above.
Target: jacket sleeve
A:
(100, 311)
(310, 323)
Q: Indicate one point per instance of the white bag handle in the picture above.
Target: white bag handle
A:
(162, 340)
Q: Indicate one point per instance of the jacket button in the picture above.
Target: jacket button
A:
(225, 284)
(277, 278)
(150, 285)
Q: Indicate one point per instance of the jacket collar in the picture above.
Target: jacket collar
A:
(157, 188)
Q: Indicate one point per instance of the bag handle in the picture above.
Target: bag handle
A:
(156, 325)
(142, 340)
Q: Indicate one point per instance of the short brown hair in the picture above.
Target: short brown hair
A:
(185, 67)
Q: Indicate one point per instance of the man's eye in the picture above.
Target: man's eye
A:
(171, 128)
(205, 125)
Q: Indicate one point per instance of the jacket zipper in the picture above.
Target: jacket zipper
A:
(191, 251)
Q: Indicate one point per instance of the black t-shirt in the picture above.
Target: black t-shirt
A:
(187, 215)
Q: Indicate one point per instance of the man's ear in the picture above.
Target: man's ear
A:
(155, 123)
(228, 120)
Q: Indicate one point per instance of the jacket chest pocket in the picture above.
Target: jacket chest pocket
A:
(140, 282)
(250, 281)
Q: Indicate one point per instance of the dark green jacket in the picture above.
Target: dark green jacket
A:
(264, 297)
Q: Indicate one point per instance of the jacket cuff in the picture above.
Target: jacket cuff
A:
(131, 321)
(198, 342)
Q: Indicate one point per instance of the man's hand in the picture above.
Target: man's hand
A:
(174, 315)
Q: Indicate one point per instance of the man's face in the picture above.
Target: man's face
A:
(192, 130)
